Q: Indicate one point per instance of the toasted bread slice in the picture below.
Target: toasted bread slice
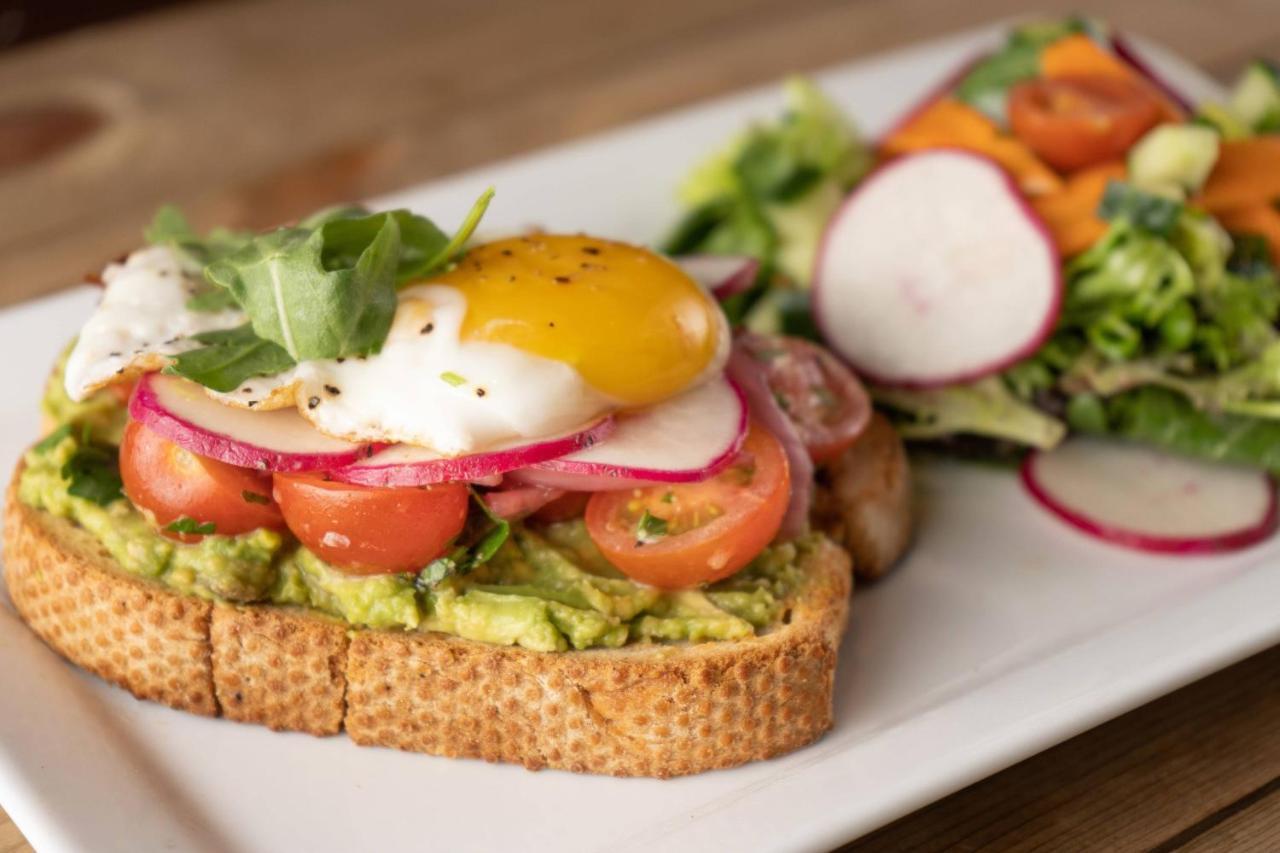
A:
(863, 500)
(641, 710)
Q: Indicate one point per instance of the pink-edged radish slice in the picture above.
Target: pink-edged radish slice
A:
(1143, 498)
(407, 465)
(682, 440)
(281, 440)
(936, 271)
(723, 275)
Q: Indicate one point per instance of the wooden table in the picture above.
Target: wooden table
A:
(251, 113)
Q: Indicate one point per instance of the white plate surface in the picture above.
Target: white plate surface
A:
(1005, 632)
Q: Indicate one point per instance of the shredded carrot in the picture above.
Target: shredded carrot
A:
(1080, 56)
(948, 123)
(1261, 219)
(1247, 174)
(1072, 212)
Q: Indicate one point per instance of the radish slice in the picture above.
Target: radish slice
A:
(682, 440)
(407, 465)
(281, 440)
(723, 275)
(749, 375)
(1142, 498)
(1127, 52)
(936, 271)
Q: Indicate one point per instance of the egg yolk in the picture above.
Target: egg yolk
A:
(629, 321)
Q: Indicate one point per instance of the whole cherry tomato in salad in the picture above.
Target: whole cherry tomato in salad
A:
(1073, 122)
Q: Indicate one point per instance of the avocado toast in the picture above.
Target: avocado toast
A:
(441, 535)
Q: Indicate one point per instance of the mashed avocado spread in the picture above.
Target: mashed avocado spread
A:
(546, 589)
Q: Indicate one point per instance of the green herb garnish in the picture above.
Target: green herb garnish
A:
(650, 528)
(94, 474)
(254, 497)
(190, 525)
(453, 379)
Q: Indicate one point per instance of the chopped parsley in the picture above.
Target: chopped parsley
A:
(254, 497)
(453, 379)
(650, 528)
(190, 525)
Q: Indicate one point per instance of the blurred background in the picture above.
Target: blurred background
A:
(249, 113)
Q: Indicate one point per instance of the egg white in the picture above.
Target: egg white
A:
(426, 387)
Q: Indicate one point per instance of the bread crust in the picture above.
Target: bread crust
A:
(637, 711)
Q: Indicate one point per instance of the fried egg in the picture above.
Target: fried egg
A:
(524, 338)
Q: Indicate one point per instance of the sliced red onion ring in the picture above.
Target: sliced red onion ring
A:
(280, 440)
(519, 502)
(750, 377)
(406, 465)
(1127, 52)
(723, 275)
(570, 482)
(682, 440)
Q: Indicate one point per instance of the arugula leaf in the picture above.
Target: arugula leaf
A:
(211, 300)
(1152, 213)
(1250, 256)
(170, 227)
(228, 358)
(462, 559)
(314, 309)
(190, 525)
(459, 241)
(93, 473)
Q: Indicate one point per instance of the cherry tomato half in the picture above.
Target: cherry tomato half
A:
(1073, 122)
(170, 483)
(365, 530)
(691, 533)
(822, 397)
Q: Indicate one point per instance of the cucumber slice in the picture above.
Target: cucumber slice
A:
(1256, 98)
(1173, 156)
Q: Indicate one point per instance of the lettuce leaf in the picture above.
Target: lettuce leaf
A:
(985, 407)
(1168, 420)
(771, 190)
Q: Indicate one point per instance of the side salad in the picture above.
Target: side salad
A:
(1057, 243)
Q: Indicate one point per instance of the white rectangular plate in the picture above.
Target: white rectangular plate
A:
(1002, 634)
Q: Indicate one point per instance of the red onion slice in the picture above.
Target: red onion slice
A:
(723, 275)
(750, 377)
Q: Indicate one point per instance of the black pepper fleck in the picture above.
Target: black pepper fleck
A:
(480, 392)
(426, 330)
(562, 279)
(333, 390)
(507, 252)
(246, 390)
(312, 402)
(341, 359)
(551, 323)
(253, 403)
(591, 250)
(115, 354)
